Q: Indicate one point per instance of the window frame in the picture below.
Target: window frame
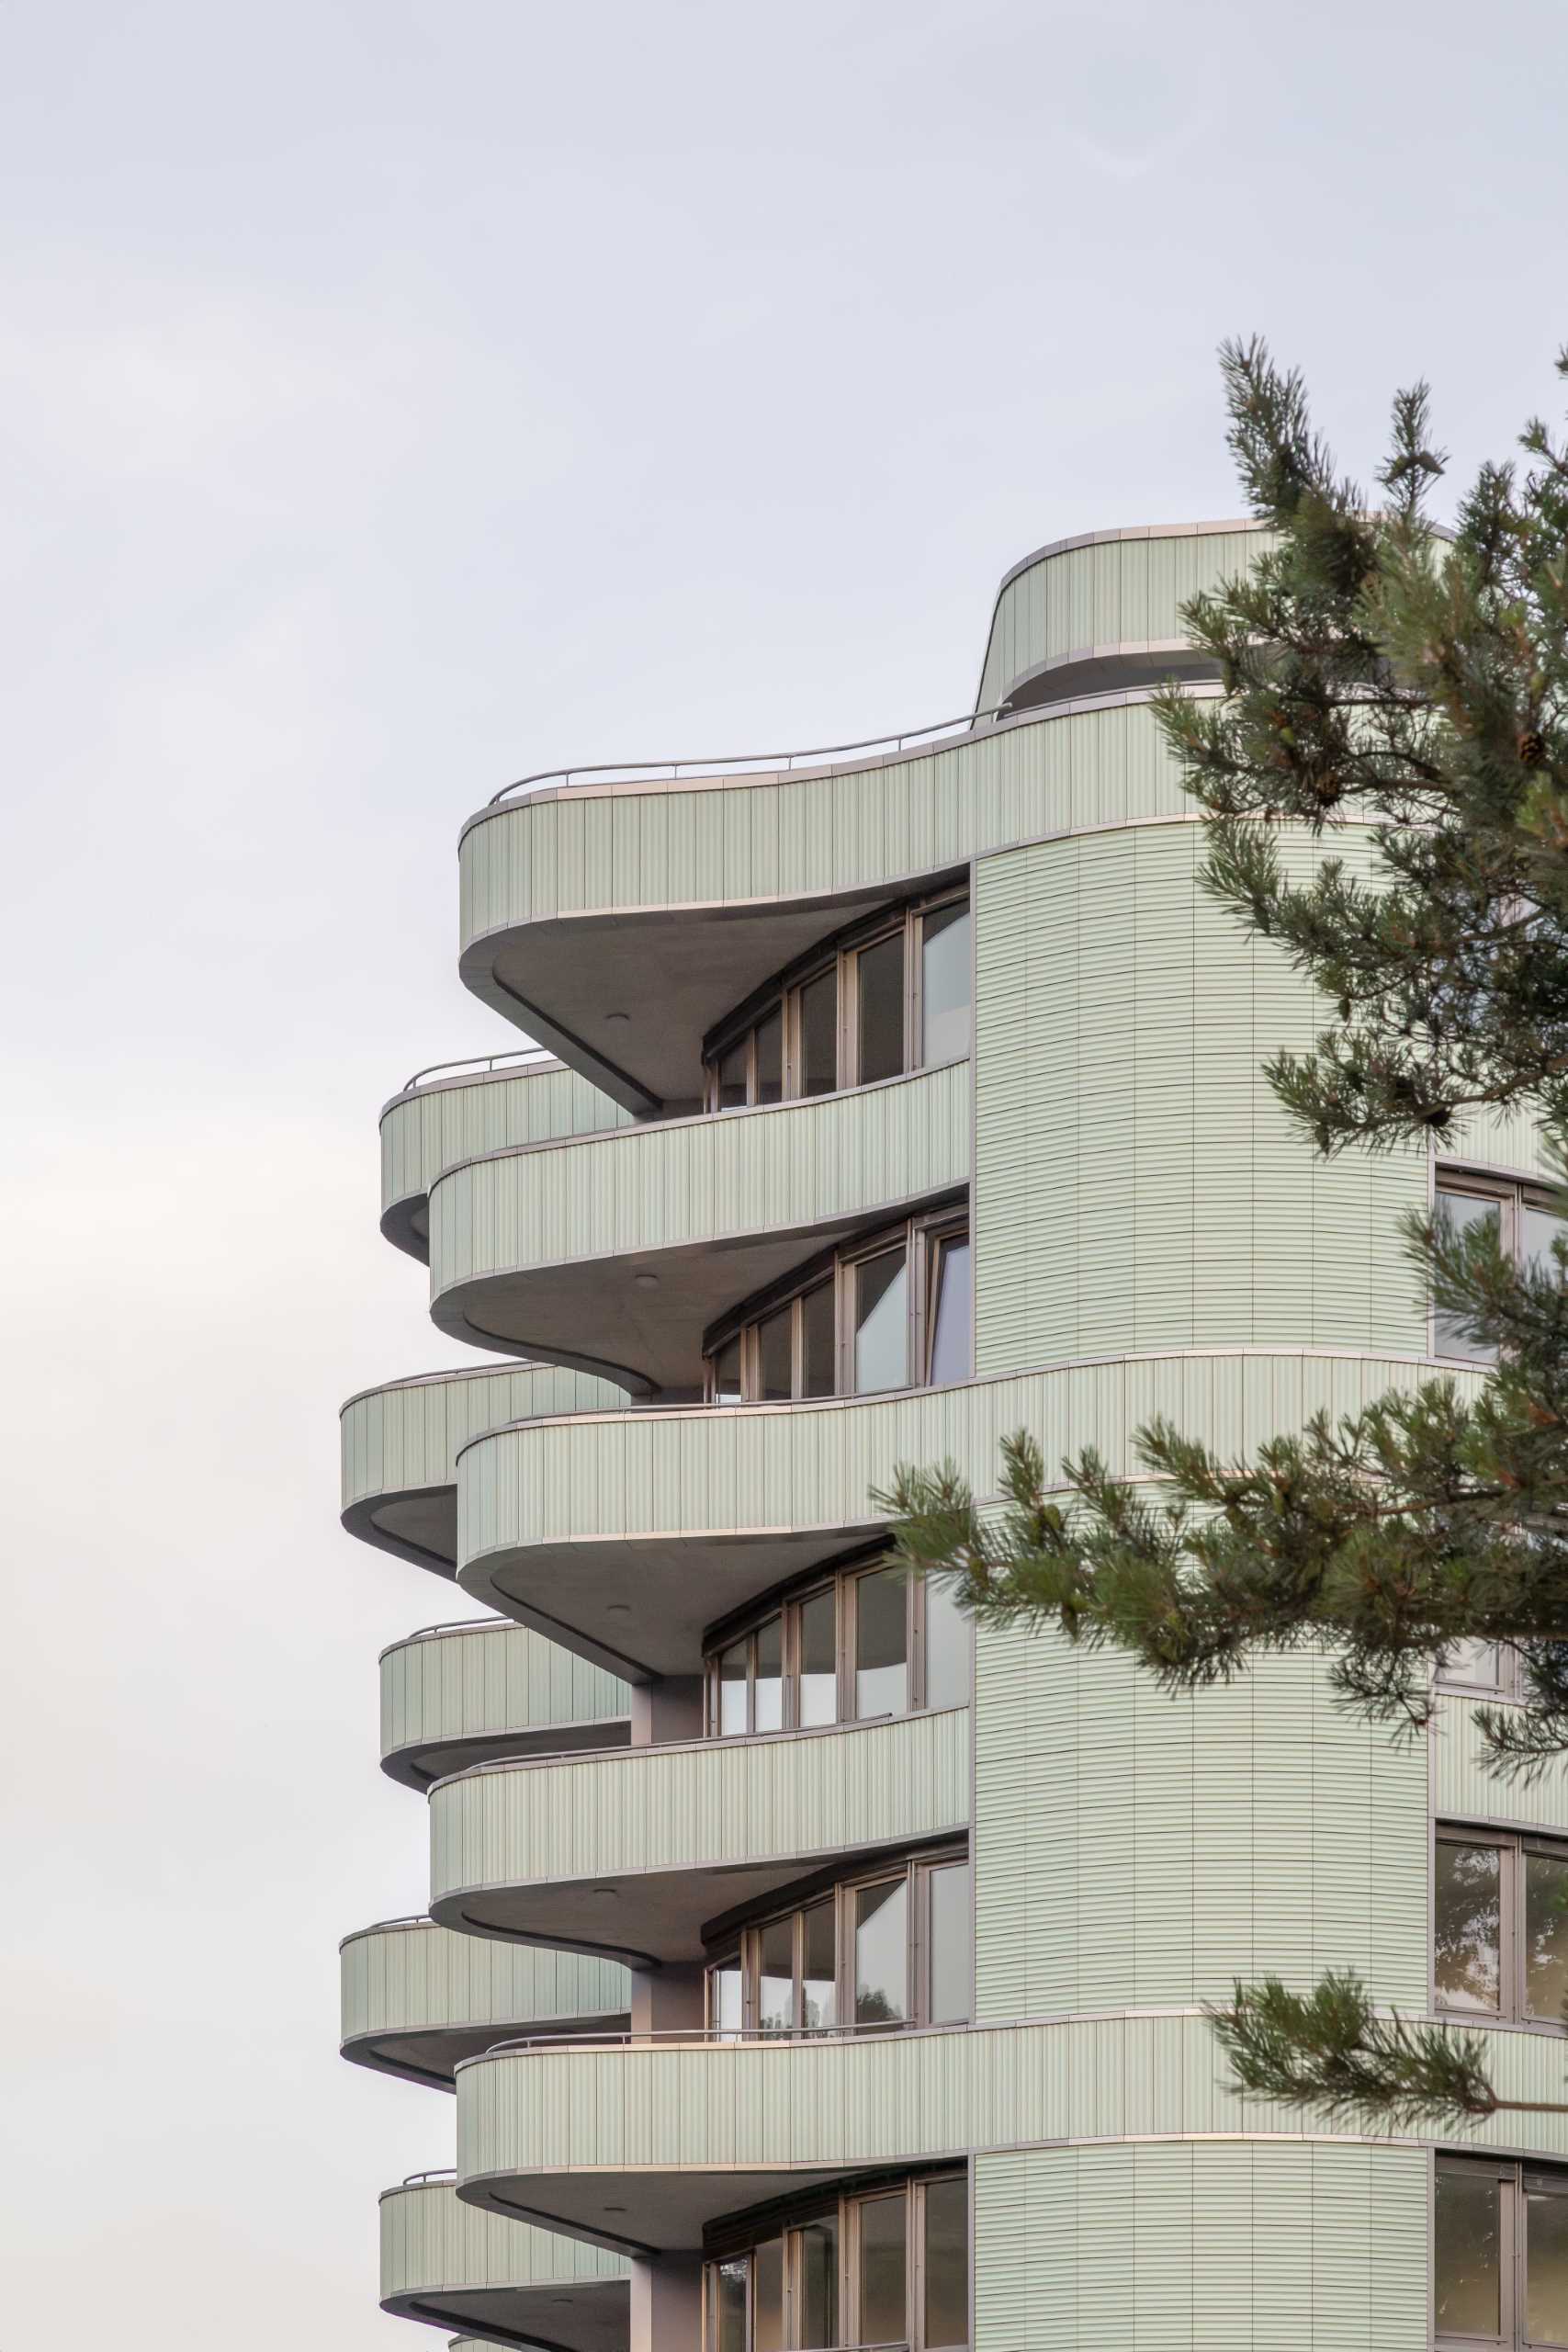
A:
(924, 1235)
(788, 1605)
(791, 2223)
(1518, 2180)
(839, 955)
(1512, 1844)
(1508, 1683)
(1512, 1195)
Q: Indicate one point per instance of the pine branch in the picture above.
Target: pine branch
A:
(1329, 2052)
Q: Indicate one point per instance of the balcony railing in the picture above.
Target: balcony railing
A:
(481, 1064)
(717, 2036)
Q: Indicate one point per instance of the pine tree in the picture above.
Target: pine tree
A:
(1375, 672)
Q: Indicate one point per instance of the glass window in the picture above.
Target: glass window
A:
(952, 1293)
(769, 1059)
(767, 2297)
(732, 1689)
(1538, 1230)
(879, 991)
(947, 1646)
(732, 1073)
(1468, 2256)
(818, 1366)
(819, 1023)
(948, 1944)
(775, 1977)
(884, 2303)
(727, 2012)
(1472, 1664)
(819, 1966)
(882, 1644)
(882, 1339)
(1460, 1212)
(945, 1013)
(775, 1350)
(817, 2268)
(726, 1374)
(767, 1707)
(882, 1950)
(946, 2248)
(726, 2291)
(1546, 1935)
(1546, 2265)
(817, 1694)
(1467, 1914)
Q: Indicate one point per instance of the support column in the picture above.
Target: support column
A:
(667, 2304)
(668, 2000)
(671, 1708)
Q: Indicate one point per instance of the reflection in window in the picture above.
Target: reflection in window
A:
(867, 1642)
(946, 2264)
(1500, 1925)
(1462, 1213)
(768, 2296)
(882, 1644)
(951, 1310)
(882, 1941)
(1467, 1925)
(948, 1647)
(819, 2275)
(891, 1308)
(890, 1947)
(948, 1944)
(945, 1010)
(820, 1035)
(1467, 2246)
(884, 2293)
(1500, 2254)
(890, 2267)
(1546, 1935)
(882, 1332)
(818, 1686)
(1526, 1229)
(726, 2305)
(879, 1011)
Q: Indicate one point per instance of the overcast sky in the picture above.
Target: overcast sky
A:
(397, 398)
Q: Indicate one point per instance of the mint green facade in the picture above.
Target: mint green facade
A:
(1147, 1237)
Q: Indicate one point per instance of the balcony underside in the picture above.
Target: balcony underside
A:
(641, 2212)
(418, 1766)
(420, 1526)
(588, 2316)
(432, 2054)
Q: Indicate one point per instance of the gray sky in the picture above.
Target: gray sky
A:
(397, 398)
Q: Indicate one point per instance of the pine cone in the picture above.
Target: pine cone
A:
(1532, 749)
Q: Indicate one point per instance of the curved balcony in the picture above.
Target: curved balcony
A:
(1104, 610)
(644, 2140)
(416, 2000)
(460, 1110)
(456, 1695)
(616, 1252)
(626, 1534)
(618, 921)
(632, 1855)
(446, 2264)
(399, 1445)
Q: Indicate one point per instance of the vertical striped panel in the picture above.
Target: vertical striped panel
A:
(430, 2240)
(1464, 1790)
(1228, 2247)
(1137, 1184)
(404, 1438)
(461, 1683)
(423, 1132)
(412, 1978)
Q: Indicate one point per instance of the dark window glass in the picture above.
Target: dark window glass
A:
(728, 2291)
(883, 2307)
(774, 1352)
(948, 1641)
(944, 985)
(767, 2297)
(818, 1659)
(818, 1371)
(820, 1035)
(819, 1965)
(882, 1339)
(882, 1946)
(727, 1374)
(732, 1076)
(947, 1947)
(726, 2011)
(879, 978)
(818, 2259)
(952, 1290)
(768, 1701)
(882, 1644)
(775, 1977)
(732, 1664)
(769, 1059)
(1467, 2254)
(1467, 1919)
(1546, 1935)
(1459, 1212)
(947, 2264)
(1546, 2267)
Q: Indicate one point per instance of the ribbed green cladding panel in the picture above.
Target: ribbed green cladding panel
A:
(702, 1807)
(461, 1682)
(428, 1132)
(594, 852)
(1115, 591)
(1464, 1790)
(784, 1168)
(1137, 1184)
(1133, 1848)
(638, 1474)
(1237, 2245)
(416, 1977)
(430, 2242)
(404, 1439)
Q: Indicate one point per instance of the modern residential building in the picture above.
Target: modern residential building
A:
(809, 1974)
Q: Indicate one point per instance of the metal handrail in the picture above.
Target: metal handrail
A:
(716, 2034)
(479, 1061)
(417, 2180)
(455, 1625)
(773, 763)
